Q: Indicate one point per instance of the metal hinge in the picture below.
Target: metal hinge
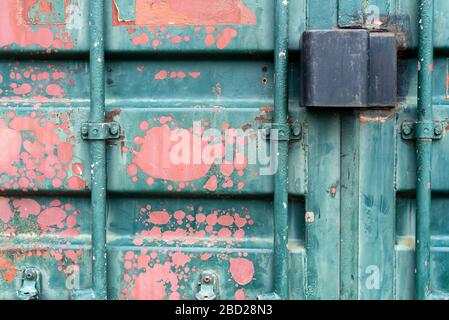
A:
(30, 287)
(208, 286)
(282, 132)
(412, 130)
(100, 131)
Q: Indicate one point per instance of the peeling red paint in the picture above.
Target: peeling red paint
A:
(16, 28)
(225, 38)
(242, 270)
(170, 154)
(11, 258)
(153, 158)
(7, 269)
(157, 280)
(181, 227)
(35, 152)
(193, 12)
(38, 83)
(153, 16)
(240, 294)
(167, 74)
(58, 218)
(159, 217)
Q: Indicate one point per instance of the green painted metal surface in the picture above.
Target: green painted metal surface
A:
(346, 185)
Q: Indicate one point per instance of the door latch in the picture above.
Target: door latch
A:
(412, 130)
(282, 132)
(100, 131)
(208, 286)
(30, 288)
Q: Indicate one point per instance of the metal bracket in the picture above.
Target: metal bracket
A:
(30, 288)
(412, 130)
(282, 132)
(100, 131)
(208, 286)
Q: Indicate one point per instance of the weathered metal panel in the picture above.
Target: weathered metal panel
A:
(207, 66)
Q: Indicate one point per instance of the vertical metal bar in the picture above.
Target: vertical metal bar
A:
(281, 177)
(98, 148)
(424, 147)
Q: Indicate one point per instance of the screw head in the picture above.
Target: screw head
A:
(113, 129)
(266, 132)
(296, 131)
(437, 130)
(407, 130)
(84, 130)
(29, 275)
(207, 279)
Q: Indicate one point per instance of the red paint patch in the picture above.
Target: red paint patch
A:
(5, 210)
(242, 270)
(153, 158)
(16, 29)
(193, 12)
(33, 218)
(240, 294)
(159, 217)
(141, 39)
(51, 217)
(35, 151)
(211, 184)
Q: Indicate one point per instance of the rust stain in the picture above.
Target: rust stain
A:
(27, 216)
(66, 259)
(381, 116)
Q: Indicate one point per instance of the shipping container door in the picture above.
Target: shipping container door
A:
(189, 92)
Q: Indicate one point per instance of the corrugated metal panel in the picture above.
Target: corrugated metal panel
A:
(200, 65)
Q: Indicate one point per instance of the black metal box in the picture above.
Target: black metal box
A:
(349, 68)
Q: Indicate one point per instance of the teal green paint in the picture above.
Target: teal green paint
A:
(320, 263)
(349, 232)
(323, 205)
(377, 210)
(322, 14)
(280, 255)
(322, 143)
(351, 13)
(424, 148)
(98, 149)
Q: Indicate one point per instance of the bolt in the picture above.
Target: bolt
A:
(437, 130)
(407, 130)
(95, 132)
(310, 217)
(113, 129)
(206, 279)
(266, 132)
(84, 131)
(29, 275)
(296, 131)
